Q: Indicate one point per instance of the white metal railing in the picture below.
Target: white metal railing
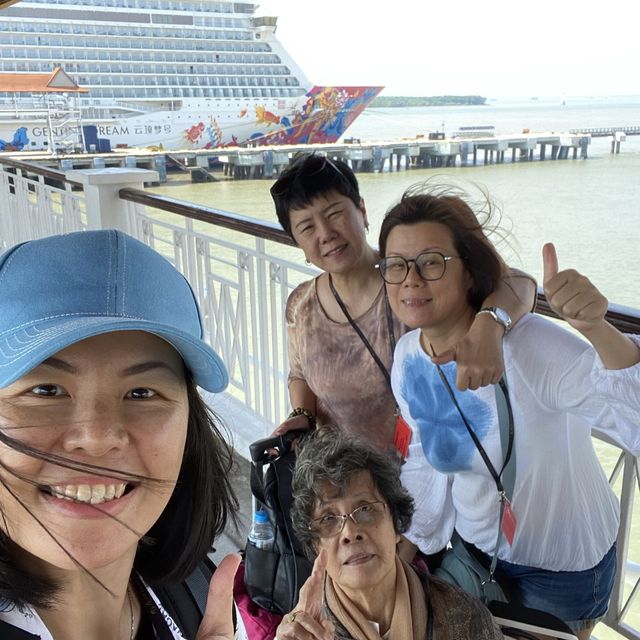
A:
(33, 207)
(242, 286)
(242, 282)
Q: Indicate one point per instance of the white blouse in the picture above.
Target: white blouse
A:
(567, 515)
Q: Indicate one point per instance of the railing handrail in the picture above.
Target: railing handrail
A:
(623, 318)
(234, 221)
(39, 170)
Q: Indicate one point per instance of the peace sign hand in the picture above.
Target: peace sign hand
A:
(309, 621)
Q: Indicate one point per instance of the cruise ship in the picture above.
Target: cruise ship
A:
(174, 74)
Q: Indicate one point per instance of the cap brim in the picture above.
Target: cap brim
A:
(26, 348)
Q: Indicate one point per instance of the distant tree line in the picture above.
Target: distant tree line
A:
(426, 101)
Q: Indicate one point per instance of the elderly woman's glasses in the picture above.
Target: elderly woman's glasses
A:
(430, 265)
(330, 525)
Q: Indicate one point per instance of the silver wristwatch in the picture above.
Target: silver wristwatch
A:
(500, 316)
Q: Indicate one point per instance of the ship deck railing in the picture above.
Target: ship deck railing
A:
(242, 278)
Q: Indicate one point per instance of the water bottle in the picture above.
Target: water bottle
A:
(261, 534)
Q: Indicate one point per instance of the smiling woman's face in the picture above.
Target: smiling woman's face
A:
(331, 232)
(117, 400)
(428, 304)
(361, 556)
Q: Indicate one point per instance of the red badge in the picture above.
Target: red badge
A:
(402, 437)
(509, 522)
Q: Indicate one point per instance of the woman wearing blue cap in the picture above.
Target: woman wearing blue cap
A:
(113, 474)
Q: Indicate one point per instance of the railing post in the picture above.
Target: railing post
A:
(105, 209)
(629, 480)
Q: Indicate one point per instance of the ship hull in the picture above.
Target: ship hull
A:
(322, 115)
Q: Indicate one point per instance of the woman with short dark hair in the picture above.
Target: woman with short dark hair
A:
(340, 329)
(349, 511)
(113, 472)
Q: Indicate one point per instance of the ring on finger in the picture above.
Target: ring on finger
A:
(292, 617)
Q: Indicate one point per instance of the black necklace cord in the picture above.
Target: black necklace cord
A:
(358, 330)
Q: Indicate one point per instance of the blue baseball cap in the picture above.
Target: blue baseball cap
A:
(60, 290)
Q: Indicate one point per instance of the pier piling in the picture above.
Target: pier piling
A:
(268, 162)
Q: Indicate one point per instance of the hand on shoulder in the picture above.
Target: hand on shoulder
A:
(478, 354)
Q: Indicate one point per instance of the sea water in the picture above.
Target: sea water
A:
(589, 208)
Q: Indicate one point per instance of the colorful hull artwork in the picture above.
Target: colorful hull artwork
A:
(323, 114)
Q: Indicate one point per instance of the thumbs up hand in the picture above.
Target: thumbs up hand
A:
(571, 295)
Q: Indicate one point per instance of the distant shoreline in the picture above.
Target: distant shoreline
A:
(427, 101)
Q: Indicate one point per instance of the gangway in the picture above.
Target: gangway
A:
(198, 173)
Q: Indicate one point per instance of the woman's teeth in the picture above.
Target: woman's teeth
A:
(89, 493)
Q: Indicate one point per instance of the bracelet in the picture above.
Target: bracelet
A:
(301, 411)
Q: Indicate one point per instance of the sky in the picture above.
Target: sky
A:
(491, 48)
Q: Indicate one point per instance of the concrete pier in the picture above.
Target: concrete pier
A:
(373, 156)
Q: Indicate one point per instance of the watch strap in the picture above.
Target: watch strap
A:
(500, 316)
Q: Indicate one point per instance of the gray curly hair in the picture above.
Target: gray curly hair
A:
(330, 456)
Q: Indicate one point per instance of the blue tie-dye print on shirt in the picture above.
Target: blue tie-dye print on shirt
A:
(445, 440)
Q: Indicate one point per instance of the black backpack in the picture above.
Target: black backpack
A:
(273, 578)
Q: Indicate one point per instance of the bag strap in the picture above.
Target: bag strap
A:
(197, 583)
(11, 632)
(358, 330)
(184, 602)
(261, 452)
(505, 422)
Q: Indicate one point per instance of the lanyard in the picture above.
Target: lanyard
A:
(356, 328)
(504, 413)
(159, 622)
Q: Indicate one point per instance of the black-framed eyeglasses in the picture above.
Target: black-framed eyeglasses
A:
(331, 525)
(430, 265)
(313, 165)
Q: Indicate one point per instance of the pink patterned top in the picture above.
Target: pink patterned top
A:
(332, 359)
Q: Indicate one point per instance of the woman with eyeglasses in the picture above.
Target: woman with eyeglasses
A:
(341, 331)
(557, 541)
(349, 512)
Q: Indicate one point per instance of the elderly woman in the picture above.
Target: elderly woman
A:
(340, 330)
(350, 511)
(113, 474)
(558, 544)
